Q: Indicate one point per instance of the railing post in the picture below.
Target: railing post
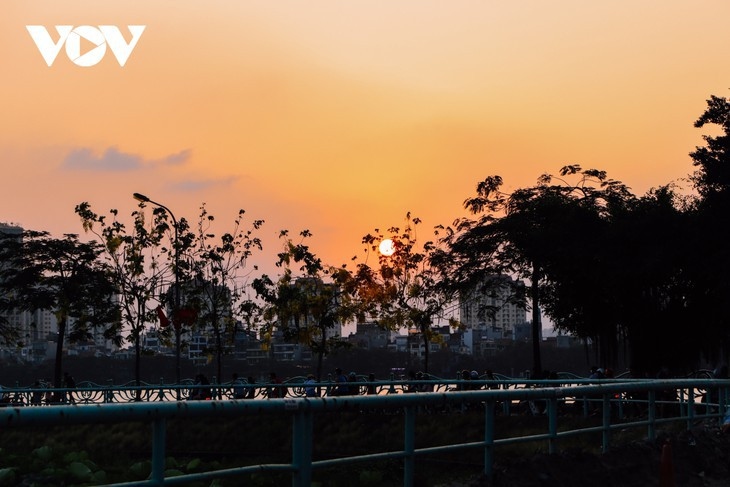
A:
(651, 411)
(620, 404)
(606, 435)
(158, 451)
(302, 427)
(690, 406)
(489, 415)
(552, 410)
(409, 446)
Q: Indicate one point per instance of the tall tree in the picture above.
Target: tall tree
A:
(404, 289)
(219, 272)
(646, 280)
(711, 213)
(547, 234)
(135, 264)
(308, 301)
(64, 276)
(9, 333)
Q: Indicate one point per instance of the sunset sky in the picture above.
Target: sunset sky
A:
(340, 116)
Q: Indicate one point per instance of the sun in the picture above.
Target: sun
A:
(387, 247)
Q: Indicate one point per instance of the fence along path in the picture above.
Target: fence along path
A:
(696, 399)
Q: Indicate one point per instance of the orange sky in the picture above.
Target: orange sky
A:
(340, 116)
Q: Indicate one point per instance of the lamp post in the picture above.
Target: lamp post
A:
(176, 305)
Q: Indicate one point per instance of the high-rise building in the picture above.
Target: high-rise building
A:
(490, 312)
(32, 328)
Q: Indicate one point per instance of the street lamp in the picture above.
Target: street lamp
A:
(176, 305)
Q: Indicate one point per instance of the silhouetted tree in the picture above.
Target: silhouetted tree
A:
(548, 234)
(404, 290)
(219, 272)
(64, 276)
(9, 333)
(308, 301)
(711, 216)
(135, 263)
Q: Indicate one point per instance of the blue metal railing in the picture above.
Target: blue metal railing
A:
(91, 393)
(606, 399)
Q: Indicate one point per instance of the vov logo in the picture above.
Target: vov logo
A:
(100, 38)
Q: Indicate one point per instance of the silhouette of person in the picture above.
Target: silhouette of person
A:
(309, 386)
(200, 391)
(239, 390)
(69, 383)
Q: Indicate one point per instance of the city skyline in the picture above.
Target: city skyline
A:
(340, 117)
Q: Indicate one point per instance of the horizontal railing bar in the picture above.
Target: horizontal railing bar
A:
(214, 474)
(10, 416)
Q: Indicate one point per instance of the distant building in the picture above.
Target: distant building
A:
(492, 312)
(370, 336)
(412, 343)
(37, 330)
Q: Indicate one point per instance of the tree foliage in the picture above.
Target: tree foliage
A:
(62, 275)
(405, 289)
(550, 234)
(133, 257)
(308, 301)
(219, 273)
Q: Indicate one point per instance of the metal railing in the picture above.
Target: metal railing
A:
(92, 393)
(608, 400)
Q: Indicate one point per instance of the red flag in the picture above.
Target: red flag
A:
(185, 316)
(161, 316)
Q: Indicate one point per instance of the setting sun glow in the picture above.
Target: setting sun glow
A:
(387, 247)
(341, 116)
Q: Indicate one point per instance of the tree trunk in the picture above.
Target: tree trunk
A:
(426, 341)
(137, 365)
(218, 351)
(536, 323)
(58, 364)
(320, 353)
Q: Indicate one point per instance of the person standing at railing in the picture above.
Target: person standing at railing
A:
(372, 390)
(411, 387)
(353, 388)
(275, 389)
(424, 386)
(593, 404)
(712, 396)
(309, 386)
(342, 388)
(201, 389)
(597, 373)
(36, 398)
(238, 389)
(69, 383)
(489, 376)
(464, 385)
